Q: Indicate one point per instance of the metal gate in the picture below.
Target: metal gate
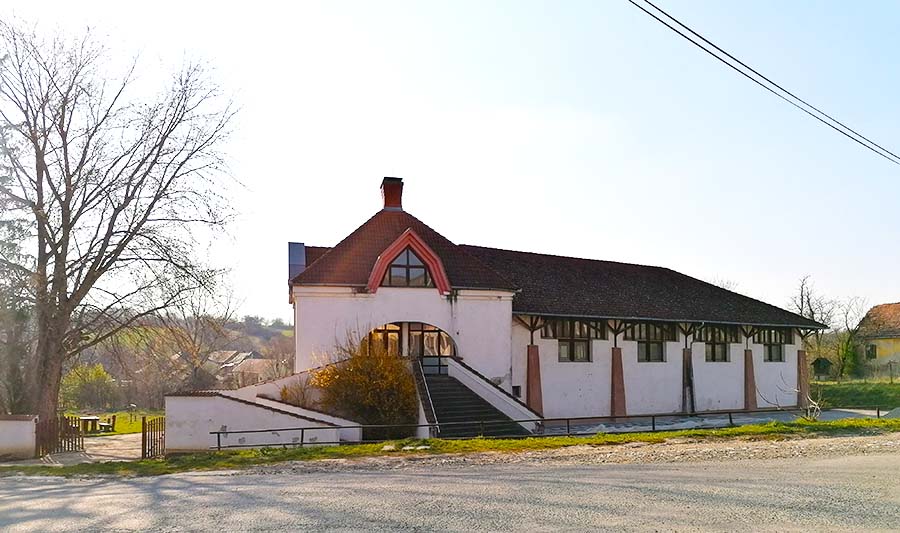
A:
(56, 435)
(153, 437)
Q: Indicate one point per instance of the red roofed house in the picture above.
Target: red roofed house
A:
(500, 334)
(565, 336)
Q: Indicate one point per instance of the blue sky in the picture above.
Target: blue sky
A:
(576, 128)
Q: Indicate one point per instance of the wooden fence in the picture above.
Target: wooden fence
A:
(58, 434)
(153, 437)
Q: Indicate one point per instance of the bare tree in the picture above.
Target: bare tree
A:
(851, 312)
(814, 306)
(110, 187)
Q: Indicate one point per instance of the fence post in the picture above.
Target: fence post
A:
(302, 436)
(218, 442)
(482, 428)
(878, 412)
(143, 437)
(653, 423)
(730, 420)
(568, 429)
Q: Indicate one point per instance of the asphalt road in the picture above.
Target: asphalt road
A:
(843, 493)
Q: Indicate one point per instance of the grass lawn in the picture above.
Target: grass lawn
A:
(126, 422)
(245, 458)
(857, 394)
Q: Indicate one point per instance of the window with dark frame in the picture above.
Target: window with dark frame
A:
(387, 337)
(651, 339)
(773, 341)
(871, 351)
(407, 270)
(573, 337)
(718, 340)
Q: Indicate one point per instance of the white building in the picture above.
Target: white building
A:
(525, 336)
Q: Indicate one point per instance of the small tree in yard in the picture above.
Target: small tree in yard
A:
(371, 386)
(88, 386)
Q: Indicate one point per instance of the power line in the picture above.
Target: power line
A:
(753, 70)
(883, 152)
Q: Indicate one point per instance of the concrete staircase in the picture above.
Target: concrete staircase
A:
(454, 402)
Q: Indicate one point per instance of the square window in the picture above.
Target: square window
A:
(398, 276)
(717, 352)
(517, 391)
(774, 353)
(417, 277)
(650, 352)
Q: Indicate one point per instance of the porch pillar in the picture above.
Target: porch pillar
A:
(617, 385)
(749, 381)
(802, 380)
(687, 381)
(534, 397)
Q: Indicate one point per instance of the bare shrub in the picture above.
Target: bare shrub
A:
(369, 385)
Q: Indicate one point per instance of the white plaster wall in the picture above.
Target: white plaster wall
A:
(568, 389)
(17, 438)
(652, 387)
(189, 420)
(478, 322)
(718, 386)
(776, 383)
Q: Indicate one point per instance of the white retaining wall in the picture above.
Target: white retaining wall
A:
(189, 420)
(17, 436)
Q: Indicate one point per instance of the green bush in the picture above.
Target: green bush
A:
(371, 386)
(88, 387)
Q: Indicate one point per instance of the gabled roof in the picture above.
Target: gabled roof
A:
(313, 253)
(567, 286)
(881, 321)
(350, 262)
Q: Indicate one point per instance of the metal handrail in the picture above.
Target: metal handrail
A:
(428, 395)
(483, 423)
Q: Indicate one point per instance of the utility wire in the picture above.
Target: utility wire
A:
(890, 156)
(753, 70)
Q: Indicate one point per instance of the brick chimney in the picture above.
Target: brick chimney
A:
(392, 192)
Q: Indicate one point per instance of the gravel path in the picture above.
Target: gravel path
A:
(847, 484)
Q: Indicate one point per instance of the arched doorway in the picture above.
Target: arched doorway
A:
(429, 344)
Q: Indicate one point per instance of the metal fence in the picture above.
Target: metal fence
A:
(57, 435)
(546, 427)
(153, 437)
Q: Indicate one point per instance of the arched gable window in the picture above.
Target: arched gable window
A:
(407, 270)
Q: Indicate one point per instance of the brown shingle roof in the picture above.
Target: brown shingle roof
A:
(350, 262)
(568, 286)
(313, 253)
(881, 321)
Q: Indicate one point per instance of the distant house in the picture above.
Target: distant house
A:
(879, 334)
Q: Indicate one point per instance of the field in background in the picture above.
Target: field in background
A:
(869, 394)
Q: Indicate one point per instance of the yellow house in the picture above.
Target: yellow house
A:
(879, 334)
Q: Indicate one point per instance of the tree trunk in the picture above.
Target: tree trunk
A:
(47, 375)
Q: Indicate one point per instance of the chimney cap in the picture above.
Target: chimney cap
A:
(392, 192)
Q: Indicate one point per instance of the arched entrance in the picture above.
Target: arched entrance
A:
(429, 344)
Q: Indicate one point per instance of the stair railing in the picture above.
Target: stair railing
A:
(426, 398)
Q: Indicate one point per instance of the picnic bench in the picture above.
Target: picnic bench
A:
(109, 425)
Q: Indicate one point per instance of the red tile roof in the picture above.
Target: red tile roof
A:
(881, 321)
(546, 284)
(350, 262)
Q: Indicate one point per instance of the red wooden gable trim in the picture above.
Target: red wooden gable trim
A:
(426, 254)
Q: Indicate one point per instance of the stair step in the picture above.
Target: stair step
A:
(460, 411)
